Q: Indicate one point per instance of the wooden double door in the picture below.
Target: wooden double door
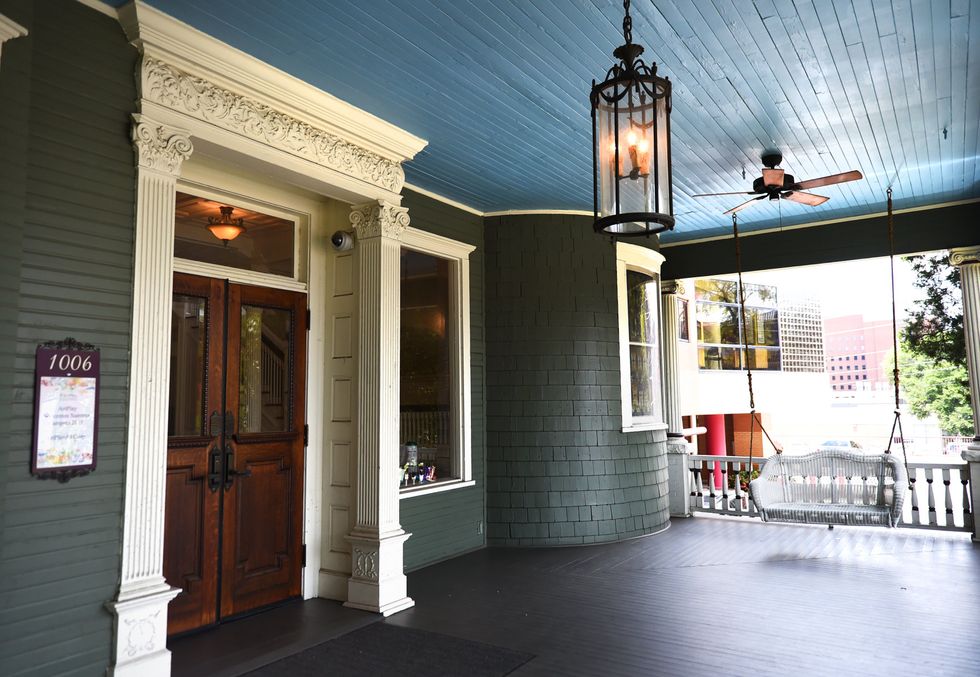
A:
(234, 506)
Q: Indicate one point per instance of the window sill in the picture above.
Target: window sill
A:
(434, 489)
(642, 427)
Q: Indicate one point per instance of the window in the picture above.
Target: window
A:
(266, 246)
(638, 292)
(720, 326)
(683, 321)
(435, 445)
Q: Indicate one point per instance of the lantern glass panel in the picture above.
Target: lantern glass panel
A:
(639, 162)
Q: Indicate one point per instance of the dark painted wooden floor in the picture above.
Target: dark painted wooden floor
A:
(710, 596)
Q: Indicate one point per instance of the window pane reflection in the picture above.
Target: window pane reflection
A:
(642, 304)
(264, 375)
(188, 338)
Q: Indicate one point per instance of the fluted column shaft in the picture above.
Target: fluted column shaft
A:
(141, 604)
(378, 581)
(670, 335)
(968, 261)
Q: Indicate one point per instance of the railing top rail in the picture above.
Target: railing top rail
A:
(709, 457)
(960, 466)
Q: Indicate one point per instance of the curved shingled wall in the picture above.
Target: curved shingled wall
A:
(560, 471)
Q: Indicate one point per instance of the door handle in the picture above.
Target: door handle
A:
(214, 468)
(229, 468)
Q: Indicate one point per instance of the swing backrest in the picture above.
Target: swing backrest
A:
(838, 477)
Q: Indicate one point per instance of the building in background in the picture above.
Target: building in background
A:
(802, 335)
(858, 354)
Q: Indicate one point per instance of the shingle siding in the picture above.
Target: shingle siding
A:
(66, 95)
(560, 471)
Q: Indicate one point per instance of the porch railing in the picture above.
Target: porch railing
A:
(940, 498)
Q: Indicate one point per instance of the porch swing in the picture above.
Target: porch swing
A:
(828, 486)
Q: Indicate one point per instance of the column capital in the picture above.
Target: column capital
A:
(379, 219)
(964, 255)
(160, 147)
(672, 287)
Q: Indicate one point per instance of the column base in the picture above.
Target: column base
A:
(140, 632)
(678, 477)
(378, 583)
(972, 456)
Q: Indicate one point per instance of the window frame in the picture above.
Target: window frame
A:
(461, 421)
(648, 262)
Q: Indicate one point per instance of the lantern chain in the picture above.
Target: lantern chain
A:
(627, 23)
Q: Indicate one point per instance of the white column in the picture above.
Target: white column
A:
(140, 608)
(968, 261)
(670, 335)
(378, 580)
(678, 450)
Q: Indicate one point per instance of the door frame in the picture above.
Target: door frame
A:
(216, 180)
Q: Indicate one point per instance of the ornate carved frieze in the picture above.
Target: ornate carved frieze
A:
(201, 99)
(159, 147)
(379, 219)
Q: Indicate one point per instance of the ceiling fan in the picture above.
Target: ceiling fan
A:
(776, 184)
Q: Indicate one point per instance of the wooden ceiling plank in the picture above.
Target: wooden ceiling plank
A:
(884, 123)
(850, 93)
(925, 59)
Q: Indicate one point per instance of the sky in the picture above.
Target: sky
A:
(851, 287)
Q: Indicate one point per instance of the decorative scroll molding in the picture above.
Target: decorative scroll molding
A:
(201, 99)
(673, 287)
(959, 257)
(159, 147)
(140, 636)
(379, 219)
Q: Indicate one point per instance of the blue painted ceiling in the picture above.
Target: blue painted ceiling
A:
(499, 88)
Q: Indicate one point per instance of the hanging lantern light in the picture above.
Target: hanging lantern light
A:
(225, 228)
(631, 145)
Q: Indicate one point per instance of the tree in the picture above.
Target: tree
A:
(934, 328)
(937, 387)
(933, 359)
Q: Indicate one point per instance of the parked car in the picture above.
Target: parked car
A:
(840, 445)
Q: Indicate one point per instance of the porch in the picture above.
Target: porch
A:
(711, 595)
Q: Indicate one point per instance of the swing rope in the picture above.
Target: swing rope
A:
(754, 418)
(897, 422)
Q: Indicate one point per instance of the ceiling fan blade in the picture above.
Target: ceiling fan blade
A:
(714, 194)
(805, 198)
(844, 177)
(744, 204)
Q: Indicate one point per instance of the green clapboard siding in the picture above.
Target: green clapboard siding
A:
(450, 523)
(66, 243)
(560, 471)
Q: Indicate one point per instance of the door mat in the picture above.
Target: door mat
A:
(382, 649)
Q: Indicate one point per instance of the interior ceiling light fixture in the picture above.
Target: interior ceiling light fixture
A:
(226, 228)
(631, 174)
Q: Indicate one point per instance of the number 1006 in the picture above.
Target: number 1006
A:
(65, 362)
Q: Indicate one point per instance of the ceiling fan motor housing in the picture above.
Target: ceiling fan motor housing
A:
(759, 185)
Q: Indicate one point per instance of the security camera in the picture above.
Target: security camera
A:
(342, 241)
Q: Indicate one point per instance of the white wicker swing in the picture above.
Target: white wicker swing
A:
(829, 486)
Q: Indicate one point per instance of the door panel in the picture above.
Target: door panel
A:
(263, 528)
(235, 456)
(192, 503)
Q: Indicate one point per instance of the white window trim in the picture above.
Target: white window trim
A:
(458, 254)
(642, 260)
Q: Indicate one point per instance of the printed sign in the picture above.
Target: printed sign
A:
(66, 410)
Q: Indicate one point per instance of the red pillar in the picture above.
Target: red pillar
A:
(715, 441)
